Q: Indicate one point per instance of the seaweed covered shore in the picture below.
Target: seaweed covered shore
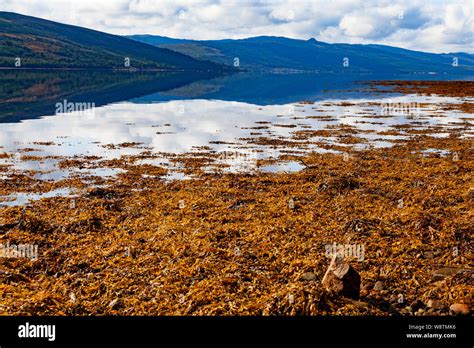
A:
(255, 243)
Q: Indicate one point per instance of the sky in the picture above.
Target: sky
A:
(424, 25)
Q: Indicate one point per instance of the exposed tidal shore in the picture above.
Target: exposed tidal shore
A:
(255, 243)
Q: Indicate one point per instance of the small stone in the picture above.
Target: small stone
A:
(459, 309)
(378, 286)
(308, 276)
(442, 273)
(434, 304)
(409, 309)
(342, 279)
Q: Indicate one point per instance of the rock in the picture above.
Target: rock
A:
(442, 273)
(378, 286)
(342, 279)
(459, 309)
(434, 304)
(308, 276)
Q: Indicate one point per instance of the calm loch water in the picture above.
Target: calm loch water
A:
(244, 117)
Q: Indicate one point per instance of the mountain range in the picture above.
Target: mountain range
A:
(280, 53)
(42, 43)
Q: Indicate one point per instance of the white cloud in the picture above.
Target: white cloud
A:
(437, 26)
(359, 26)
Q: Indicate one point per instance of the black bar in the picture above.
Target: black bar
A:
(332, 331)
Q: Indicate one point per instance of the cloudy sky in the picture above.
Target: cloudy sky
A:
(434, 26)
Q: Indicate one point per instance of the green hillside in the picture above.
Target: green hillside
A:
(46, 44)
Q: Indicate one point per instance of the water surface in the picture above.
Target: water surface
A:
(242, 118)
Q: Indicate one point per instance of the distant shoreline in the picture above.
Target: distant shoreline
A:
(116, 70)
(232, 71)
